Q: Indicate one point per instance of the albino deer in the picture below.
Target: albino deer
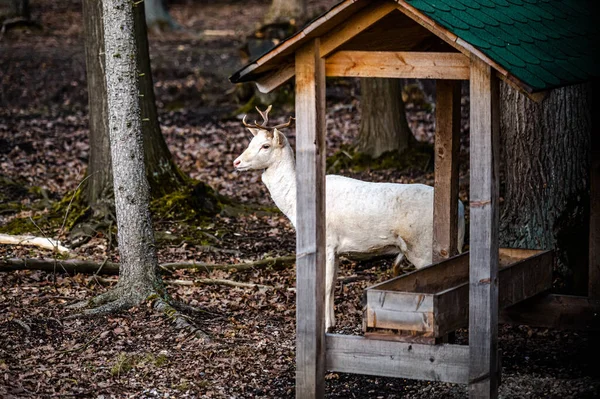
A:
(361, 217)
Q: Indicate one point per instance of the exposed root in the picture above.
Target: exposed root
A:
(117, 300)
(104, 298)
(179, 320)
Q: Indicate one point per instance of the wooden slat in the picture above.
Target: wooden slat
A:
(563, 312)
(310, 222)
(447, 144)
(430, 279)
(355, 25)
(483, 282)
(359, 355)
(276, 78)
(398, 64)
(594, 251)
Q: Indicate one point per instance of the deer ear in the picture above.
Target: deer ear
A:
(278, 138)
(254, 131)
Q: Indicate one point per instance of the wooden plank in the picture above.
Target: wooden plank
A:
(310, 222)
(483, 282)
(276, 78)
(354, 25)
(359, 355)
(447, 144)
(517, 282)
(563, 312)
(420, 321)
(594, 251)
(398, 64)
(430, 279)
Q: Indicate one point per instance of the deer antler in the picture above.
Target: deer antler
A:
(287, 124)
(265, 116)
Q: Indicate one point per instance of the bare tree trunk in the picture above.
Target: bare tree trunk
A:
(157, 16)
(286, 11)
(546, 154)
(14, 8)
(163, 175)
(138, 276)
(98, 186)
(383, 125)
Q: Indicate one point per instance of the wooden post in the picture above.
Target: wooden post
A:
(447, 138)
(310, 222)
(594, 251)
(483, 281)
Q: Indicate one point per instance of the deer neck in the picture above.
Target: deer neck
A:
(280, 179)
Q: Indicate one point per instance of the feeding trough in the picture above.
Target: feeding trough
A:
(424, 305)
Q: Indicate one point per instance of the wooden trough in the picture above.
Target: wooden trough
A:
(429, 303)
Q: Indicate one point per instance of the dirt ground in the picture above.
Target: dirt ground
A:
(43, 156)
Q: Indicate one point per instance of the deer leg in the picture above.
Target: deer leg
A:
(330, 279)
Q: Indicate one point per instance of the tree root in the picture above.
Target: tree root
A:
(117, 300)
(179, 320)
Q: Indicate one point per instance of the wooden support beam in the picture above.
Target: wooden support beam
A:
(447, 144)
(275, 78)
(398, 64)
(354, 25)
(562, 312)
(594, 251)
(483, 282)
(310, 222)
(360, 355)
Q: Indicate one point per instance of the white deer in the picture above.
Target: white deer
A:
(361, 217)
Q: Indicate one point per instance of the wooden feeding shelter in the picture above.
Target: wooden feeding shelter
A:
(534, 45)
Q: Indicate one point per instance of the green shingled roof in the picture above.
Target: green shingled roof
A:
(544, 43)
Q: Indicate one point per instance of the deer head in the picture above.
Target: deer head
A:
(266, 147)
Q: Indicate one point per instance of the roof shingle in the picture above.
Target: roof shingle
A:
(544, 43)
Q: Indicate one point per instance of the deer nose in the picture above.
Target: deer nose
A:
(237, 163)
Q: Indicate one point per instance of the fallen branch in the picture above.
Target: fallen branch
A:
(218, 281)
(40, 242)
(110, 268)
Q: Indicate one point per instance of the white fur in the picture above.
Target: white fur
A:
(361, 217)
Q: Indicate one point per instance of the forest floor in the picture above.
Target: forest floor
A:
(43, 155)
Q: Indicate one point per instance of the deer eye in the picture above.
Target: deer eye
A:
(266, 146)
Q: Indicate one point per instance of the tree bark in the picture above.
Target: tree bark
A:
(139, 275)
(163, 175)
(14, 8)
(157, 16)
(98, 186)
(284, 11)
(383, 125)
(546, 156)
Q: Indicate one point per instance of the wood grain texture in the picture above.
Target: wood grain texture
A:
(359, 355)
(276, 78)
(563, 312)
(447, 144)
(398, 64)
(483, 292)
(434, 300)
(310, 222)
(594, 251)
(354, 25)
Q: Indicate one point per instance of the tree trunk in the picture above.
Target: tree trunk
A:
(163, 175)
(157, 16)
(14, 8)
(139, 265)
(546, 156)
(284, 11)
(383, 125)
(98, 186)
